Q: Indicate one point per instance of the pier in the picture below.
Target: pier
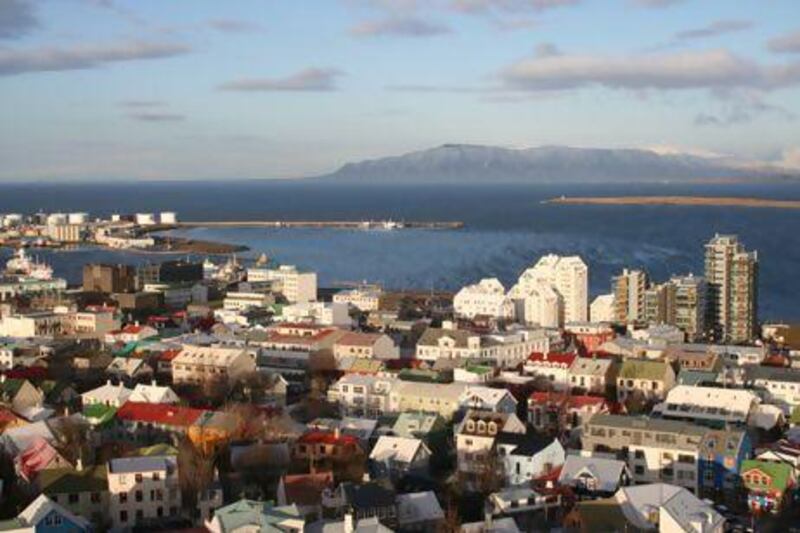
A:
(318, 224)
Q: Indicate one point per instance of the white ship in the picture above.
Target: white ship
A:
(231, 271)
(23, 265)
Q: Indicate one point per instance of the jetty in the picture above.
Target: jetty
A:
(318, 224)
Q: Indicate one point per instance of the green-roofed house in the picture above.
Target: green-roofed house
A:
(81, 490)
(769, 485)
(653, 378)
(157, 450)
(100, 416)
(251, 515)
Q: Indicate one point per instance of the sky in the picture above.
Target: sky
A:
(209, 89)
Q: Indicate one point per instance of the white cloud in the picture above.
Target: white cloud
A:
(14, 62)
(787, 43)
(310, 79)
(713, 69)
(399, 26)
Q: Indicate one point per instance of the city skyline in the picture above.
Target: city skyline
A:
(99, 89)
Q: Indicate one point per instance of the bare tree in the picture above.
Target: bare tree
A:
(195, 472)
(73, 439)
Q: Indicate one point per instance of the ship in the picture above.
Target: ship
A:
(22, 265)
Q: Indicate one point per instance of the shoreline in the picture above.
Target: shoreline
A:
(707, 201)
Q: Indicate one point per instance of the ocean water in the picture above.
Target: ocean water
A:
(507, 229)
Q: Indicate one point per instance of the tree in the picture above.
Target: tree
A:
(73, 438)
(195, 472)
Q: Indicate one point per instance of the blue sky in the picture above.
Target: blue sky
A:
(155, 89)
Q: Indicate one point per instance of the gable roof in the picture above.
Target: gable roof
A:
(607, 472)
(42, 506)
(70, 480)
(264, 515)
(157, 413)
(644, 369)
(400, 449)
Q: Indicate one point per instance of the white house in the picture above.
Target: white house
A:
(142, 488)
(397, 456)
(321, 313)
(153, 393)
(554, 366)
(108, 394)
(485, 298)
(488, 399)
(527, 457)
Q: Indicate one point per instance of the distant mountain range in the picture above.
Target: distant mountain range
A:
(463, 163)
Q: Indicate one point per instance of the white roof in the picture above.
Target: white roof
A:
(107, 393)
(692, 514)
(42, 506)
(444, 391)
(588, 366)
(128, 365)
(400, 449)
(637, 502)
(734, 400)
(152, 394)
(486, 395)
(417, 507)
(607, 472)
(208, 355)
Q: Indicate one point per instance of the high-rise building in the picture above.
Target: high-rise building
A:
(659, 304)
(629, 290)
(568, 276)
(689, 306)
(732, 276)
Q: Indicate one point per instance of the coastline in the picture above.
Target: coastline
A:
(707, 201)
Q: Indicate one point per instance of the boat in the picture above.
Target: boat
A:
(23, 265)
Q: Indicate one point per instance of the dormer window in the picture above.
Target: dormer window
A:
(470, 425)
(481, 426)
(492, 428)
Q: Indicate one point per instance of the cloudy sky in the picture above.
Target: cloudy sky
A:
(118, 89)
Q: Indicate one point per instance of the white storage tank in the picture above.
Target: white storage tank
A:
(12, 219)
(145, 219)
(78, 218)
(168, 217)
(116, 217)
(56, 219)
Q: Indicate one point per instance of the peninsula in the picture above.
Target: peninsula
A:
(714, 201)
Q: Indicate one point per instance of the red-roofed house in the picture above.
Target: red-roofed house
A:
(164, 361)
(324, 446)
(554, 366)
(130, 333)
(558, 411)
(590, 336)
(40, 455)
(146, 422)
(305, 491)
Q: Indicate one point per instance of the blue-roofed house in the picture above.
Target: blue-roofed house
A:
(252, 515)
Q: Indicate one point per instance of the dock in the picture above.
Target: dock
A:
(316, 224)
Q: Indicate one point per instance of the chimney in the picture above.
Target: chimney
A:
(79, 465)
(108, 381)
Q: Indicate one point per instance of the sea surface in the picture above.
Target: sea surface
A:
(507, 229)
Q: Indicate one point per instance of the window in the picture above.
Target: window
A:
(139, 496)
(123, 497)
(638, 454)
(639, 470)
(123, 516)
(73, 498)
(139, 515)
(156, 476)
(160, 512)
(95, 497)
(138, 478)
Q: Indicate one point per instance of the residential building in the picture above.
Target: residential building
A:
(568, 276)
(365, 345)
(168, 272)
(732, 275)
(602, 308)
(505, 349)
(782, 385)
(594, 477)
(131, 333)
(203, 364)
(364, 299)
(589, 336)
(81, 490)
(659, 304)
(690, 309)
(143, 490)
(486, 298)
(476, 437)
(296, 286)
(652, 378)
(304, 491)
(398, 456)
(147, 423)
(44, 515)
(557, 412)
(538, 303)
(325, 448)
(243, 301)
(629, 295)
(335, 314)
(367, 396)
(655, 450)
(526, 457)
(152, 393)
(592, 374)
(19, 394)
(107, 394)
(33, 324)
(711, 406)
(768, 484)
(554, 366)
(488, 399)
